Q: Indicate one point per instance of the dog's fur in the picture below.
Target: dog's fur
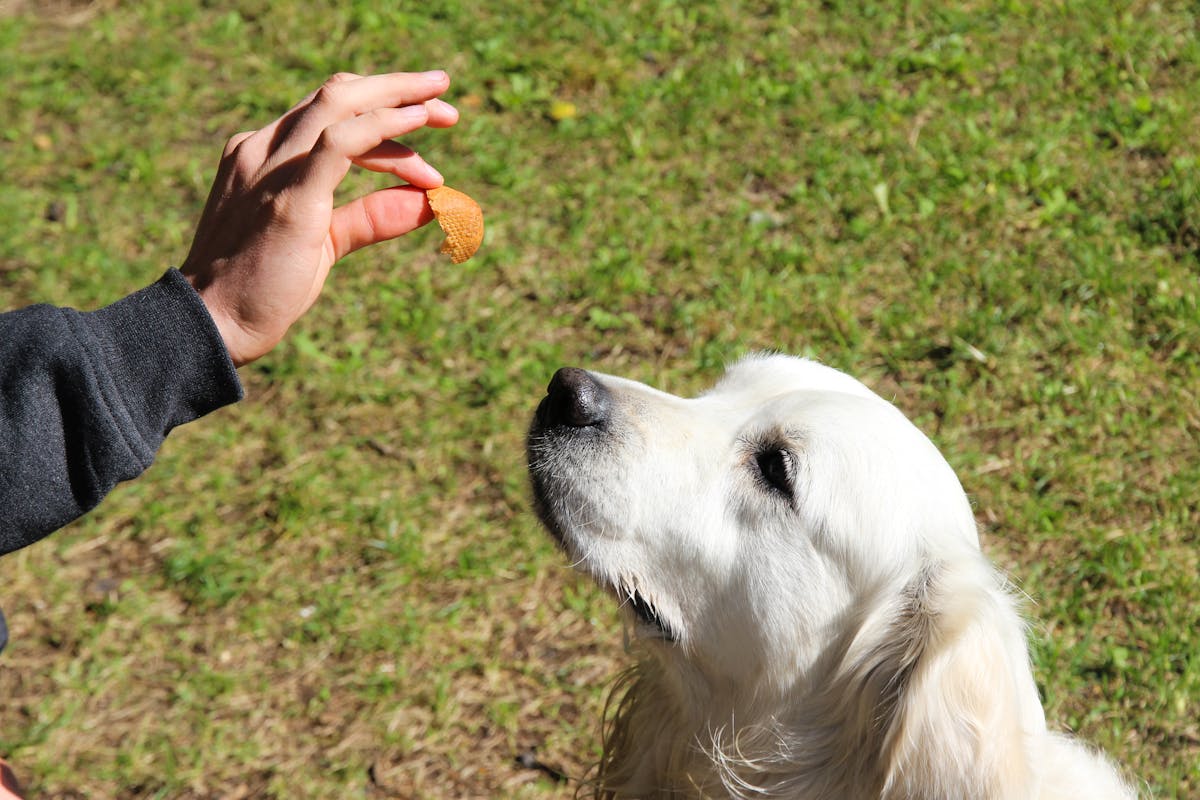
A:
(802, 567)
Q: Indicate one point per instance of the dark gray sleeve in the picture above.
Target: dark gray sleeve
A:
(86, 399)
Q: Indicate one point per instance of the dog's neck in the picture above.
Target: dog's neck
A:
(863, 720)
(673, 733)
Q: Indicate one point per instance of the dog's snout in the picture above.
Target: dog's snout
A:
(576, 399)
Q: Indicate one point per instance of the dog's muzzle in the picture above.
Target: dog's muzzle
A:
(574, 417)
(576, 410)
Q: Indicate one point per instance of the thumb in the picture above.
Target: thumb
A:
(377, 217)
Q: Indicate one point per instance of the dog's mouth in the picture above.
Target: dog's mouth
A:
(650, 623)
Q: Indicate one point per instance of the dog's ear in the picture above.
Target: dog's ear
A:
(963, 707)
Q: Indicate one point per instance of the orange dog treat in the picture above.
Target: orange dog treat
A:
(460, 218)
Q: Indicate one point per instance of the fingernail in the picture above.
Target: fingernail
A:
(434, 174)
(414, 112)
(435, 75)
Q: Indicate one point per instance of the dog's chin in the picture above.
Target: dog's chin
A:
(648, 621)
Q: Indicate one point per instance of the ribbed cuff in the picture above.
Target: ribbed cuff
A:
(167, 363)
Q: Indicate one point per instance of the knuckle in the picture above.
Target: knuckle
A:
(329, 140)
(379, 116)
(331, 89)
(234, 144)
(239, 163)
(275, 205)
(236, 152)
(246, 163)
(326, 95)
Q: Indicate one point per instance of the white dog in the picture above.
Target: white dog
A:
(804, 571)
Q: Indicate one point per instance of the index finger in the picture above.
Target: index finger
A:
(342, 97)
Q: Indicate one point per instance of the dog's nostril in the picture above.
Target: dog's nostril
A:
(576, 399)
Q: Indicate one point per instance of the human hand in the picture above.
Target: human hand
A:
(270, 233)
(10, 789)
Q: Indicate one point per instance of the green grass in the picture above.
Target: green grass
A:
(990, 212)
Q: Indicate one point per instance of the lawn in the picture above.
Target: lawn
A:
(990, 212)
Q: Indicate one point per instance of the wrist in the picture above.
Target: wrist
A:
(230, 332)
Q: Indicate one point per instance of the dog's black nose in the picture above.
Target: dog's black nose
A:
(574, 398)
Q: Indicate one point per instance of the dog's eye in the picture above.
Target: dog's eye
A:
(777, 468)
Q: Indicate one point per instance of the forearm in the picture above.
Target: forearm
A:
(86, 399)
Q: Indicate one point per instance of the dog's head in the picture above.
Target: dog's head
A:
(739, 528)
(804, 568)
